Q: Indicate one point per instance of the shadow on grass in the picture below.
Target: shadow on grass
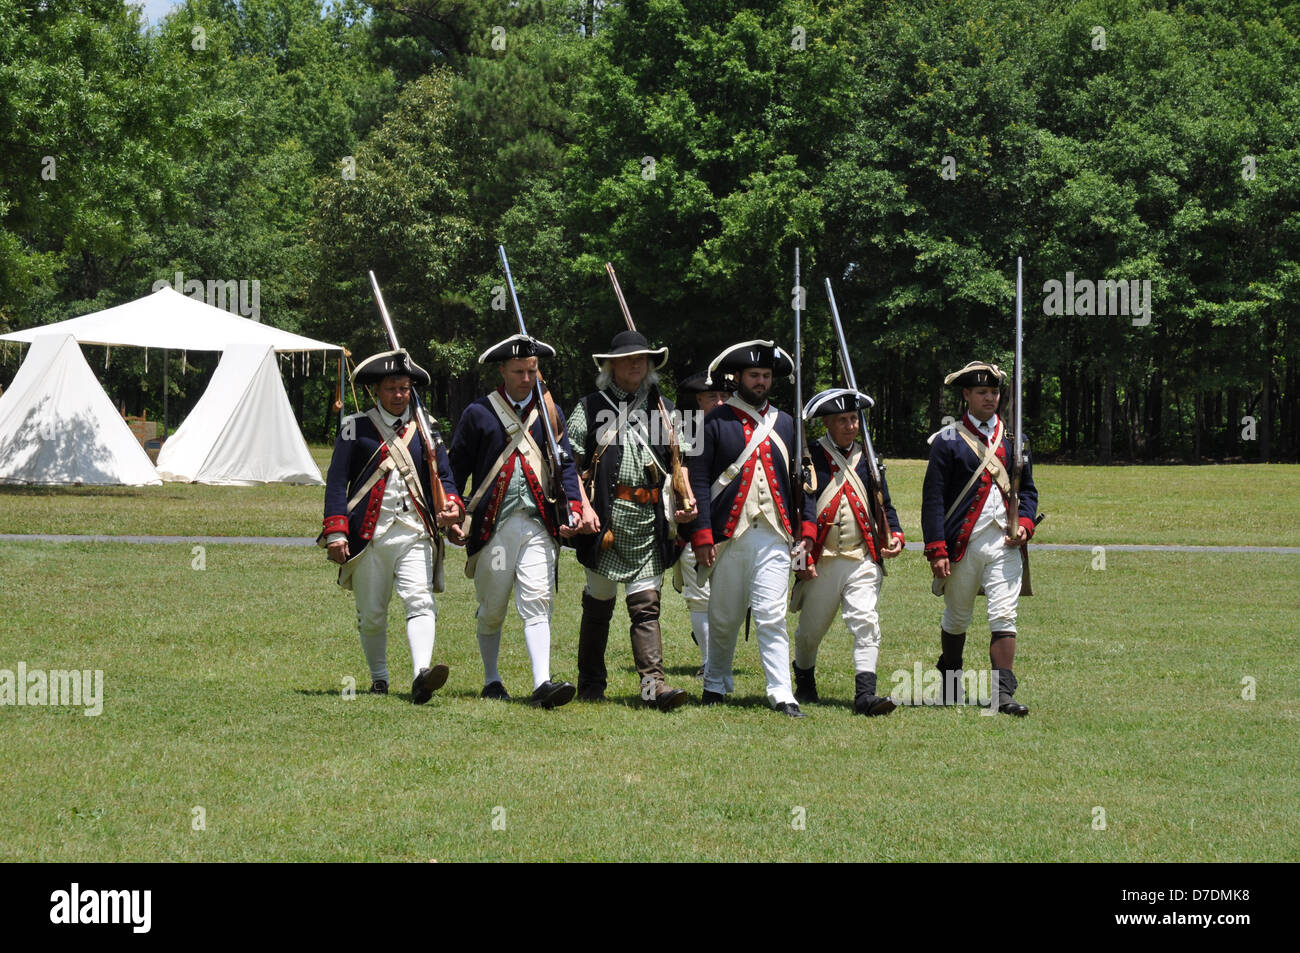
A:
(686, 671)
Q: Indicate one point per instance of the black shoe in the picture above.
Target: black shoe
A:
(1013, 707)
(789, 708)
(494, 690)
(551, 694)
(873, 705)
(427, 682)
(592, 696)
(379, 687)
(671, 698)
(710, 698)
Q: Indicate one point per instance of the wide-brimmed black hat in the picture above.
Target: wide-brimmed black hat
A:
(837, 400)
(629, 344)
(390, 364)
(699, 383)
(763, 354)
(517, 345)
(976, 374)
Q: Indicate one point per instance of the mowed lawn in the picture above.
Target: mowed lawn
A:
(1239, 505)
(225, 691)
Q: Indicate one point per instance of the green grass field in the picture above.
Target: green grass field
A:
(1243, 505)
(223, 690)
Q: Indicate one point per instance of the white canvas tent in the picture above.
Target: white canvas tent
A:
(58, 426)
(242, 431)
(169, 320)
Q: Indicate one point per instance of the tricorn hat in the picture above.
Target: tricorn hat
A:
(629, 344)
(837, 400)
(699, 383)
(976, 374)
(753, 354)
(390, 364)
(517, 345)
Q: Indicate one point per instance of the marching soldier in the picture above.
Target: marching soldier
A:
(965, 524)
(379, 520)
(513, 536)
(745, 528)
(842, 567)
(624, 453)
(706, 395)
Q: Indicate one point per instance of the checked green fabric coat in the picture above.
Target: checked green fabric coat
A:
(643, 544)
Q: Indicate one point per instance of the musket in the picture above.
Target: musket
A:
(876, 517)
(1019, 452)
(439, 501)
(681, 487)
(559, 499)
(802, 479)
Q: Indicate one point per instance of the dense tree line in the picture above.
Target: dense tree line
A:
(911, 149)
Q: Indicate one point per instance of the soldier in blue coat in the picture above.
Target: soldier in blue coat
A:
(500, 455)
(971, 540)
(747, 531)
(379, 522)
(843, 574)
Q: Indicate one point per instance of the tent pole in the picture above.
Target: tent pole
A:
(165, 394)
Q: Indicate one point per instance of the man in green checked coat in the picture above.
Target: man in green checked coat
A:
(623, 453)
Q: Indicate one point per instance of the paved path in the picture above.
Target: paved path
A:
(299, 541)
(204, 540)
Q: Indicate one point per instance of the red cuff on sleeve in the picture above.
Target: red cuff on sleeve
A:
(1028, 524)
(335, 524)
(899, 534)
(808, 531)
(702, 537)
(575, 507)
(937, 550)
(456, 499)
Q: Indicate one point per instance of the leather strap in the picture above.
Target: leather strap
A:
(761, 433)
(385, 465)
(518, 434)
(989, 462)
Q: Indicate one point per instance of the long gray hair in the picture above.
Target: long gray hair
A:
(606, 377)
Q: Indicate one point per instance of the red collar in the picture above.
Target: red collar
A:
(973, 426)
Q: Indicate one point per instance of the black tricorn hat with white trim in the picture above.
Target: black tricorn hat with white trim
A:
(763, 354)
(517, 345)
(630, 343)
(699, 383)
(837, 400)
(390, 364)
(976, 374)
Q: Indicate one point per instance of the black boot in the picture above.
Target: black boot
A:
(593, 636)
(949, 666)
(865, 699)
(805, 684)
(1007, 684)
